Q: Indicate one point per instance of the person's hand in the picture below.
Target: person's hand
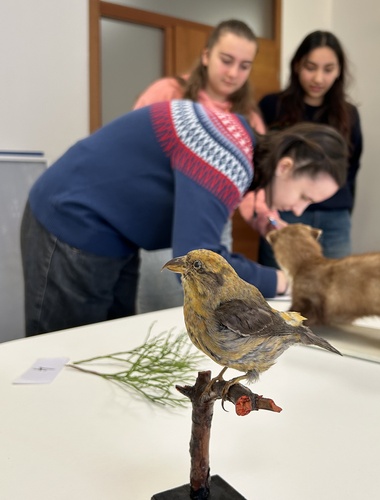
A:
(258, 215)
(247, 206)
(282, 283)
(266, 222)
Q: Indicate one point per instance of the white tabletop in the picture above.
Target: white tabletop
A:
(82, 437)
(361, 339)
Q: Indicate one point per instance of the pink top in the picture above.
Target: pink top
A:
(166, 89)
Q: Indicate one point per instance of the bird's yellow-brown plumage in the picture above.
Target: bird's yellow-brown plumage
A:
(230, 321)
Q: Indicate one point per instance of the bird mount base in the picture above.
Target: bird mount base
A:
(203, 396)
(219, 490)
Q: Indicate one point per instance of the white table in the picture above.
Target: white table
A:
(82, 437)
(360, 339)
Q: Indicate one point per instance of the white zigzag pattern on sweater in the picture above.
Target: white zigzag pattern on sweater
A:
(212, 148)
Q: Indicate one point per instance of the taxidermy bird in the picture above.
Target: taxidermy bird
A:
(229, 319)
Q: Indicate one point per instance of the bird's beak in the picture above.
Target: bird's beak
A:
(176, 265)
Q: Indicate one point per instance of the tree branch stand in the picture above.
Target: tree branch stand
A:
(203, 396)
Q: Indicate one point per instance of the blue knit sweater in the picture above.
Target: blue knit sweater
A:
(167, 175)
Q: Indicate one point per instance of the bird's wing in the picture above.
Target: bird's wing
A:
(246, 319)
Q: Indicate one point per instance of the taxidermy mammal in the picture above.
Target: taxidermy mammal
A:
(326, 291)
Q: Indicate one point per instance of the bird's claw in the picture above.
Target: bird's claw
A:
(228, 386)
(208, 388)
(225, 390)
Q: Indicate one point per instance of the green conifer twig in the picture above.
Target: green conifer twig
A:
(151, 369)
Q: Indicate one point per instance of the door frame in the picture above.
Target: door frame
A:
(99, 9)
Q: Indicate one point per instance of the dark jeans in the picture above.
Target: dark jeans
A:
(66, 287)
(335, 239)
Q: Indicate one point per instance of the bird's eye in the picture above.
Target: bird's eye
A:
(197, 264)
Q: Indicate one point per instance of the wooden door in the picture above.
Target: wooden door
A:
(188, 44)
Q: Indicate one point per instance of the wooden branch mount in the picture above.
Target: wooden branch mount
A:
(203, 397)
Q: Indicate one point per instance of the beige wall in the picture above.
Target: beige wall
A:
(361, 35)
(44, 74)
(44, 83)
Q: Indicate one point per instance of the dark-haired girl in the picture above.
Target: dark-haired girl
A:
(317, 93)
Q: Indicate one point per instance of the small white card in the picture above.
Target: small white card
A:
(43, 371)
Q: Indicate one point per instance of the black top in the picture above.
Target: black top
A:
(344, 198)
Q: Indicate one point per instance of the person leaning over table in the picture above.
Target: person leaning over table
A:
(220, 81)
(169, 174)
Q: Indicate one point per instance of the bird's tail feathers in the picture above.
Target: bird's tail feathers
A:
(310, 338)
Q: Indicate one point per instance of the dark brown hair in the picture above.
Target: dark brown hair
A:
(315, 148)
(336, 110)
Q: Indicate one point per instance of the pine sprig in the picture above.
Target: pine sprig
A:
(152, 369)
